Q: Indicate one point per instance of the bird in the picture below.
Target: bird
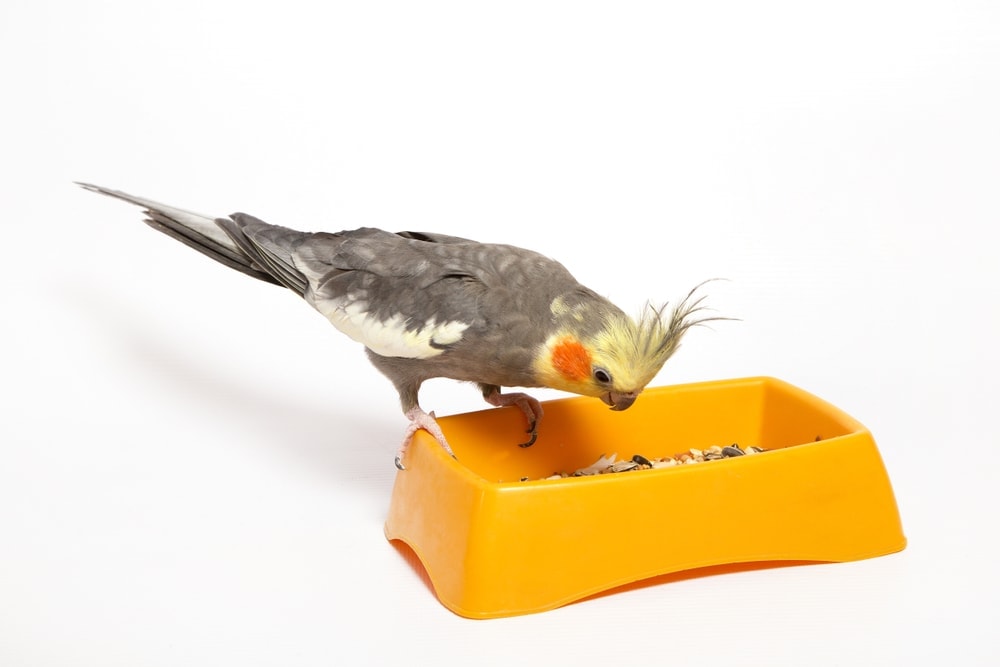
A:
(428, 305)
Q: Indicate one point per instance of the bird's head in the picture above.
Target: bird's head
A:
(599, 351)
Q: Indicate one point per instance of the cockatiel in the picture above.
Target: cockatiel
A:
(430, 305)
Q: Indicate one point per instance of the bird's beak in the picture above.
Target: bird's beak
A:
(620, 400)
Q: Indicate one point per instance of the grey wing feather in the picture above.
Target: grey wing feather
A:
(433, 238)
(269, 246)
(204, 245)
(394, 275)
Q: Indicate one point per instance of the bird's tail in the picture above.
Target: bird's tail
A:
(200, 232)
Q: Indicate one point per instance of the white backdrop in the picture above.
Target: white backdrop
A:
(195, 467)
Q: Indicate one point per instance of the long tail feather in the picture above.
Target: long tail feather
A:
(203, 233)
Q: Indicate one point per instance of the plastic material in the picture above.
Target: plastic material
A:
(494, 545)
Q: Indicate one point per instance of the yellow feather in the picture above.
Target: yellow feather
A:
(631, 351)
(634, 350)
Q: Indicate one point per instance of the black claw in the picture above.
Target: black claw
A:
(534, 436)
(399, 464)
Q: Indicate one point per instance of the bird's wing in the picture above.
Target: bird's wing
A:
(399, 296)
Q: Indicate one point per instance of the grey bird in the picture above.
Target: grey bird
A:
(429, 305)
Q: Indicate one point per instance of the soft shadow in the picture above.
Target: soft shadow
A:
(696, 573)
(335, 441)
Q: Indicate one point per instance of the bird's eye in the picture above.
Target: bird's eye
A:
(602, 376)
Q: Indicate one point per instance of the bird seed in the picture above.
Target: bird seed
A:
(609, 464)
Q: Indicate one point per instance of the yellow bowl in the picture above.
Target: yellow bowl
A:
(494, 545)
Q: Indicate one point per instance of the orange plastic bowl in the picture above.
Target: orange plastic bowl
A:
(493, 545)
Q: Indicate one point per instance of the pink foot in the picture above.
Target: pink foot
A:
(420, 419)
(529, 405)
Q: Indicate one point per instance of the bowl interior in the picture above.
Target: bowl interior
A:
(665, 421)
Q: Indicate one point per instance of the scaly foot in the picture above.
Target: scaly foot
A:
(420, 419)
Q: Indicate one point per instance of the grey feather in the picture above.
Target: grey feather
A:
(267, 246)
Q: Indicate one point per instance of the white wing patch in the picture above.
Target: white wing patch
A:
(390, 337)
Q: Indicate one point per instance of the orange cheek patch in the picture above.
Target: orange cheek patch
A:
(571, 359)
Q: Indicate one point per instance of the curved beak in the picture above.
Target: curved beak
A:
(620, 400)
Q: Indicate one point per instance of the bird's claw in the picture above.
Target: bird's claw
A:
(400, 466)
(531, 408)
(531, 441)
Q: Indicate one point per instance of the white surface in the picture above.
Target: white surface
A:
(195, 467)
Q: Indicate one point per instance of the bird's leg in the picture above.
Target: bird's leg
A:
(529, 405)
(420, 419)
